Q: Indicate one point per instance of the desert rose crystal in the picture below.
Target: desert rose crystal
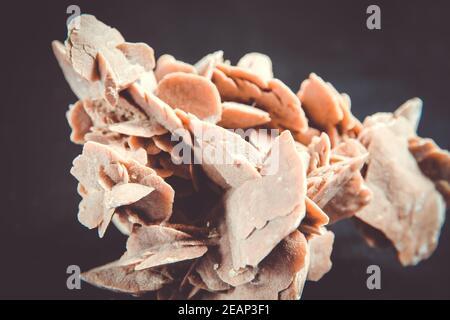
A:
(224, 179)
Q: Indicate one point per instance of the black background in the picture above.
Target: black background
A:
(40, 235)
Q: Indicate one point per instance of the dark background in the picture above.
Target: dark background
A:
(40, 235)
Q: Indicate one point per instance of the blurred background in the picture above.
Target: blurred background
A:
(379, 69)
